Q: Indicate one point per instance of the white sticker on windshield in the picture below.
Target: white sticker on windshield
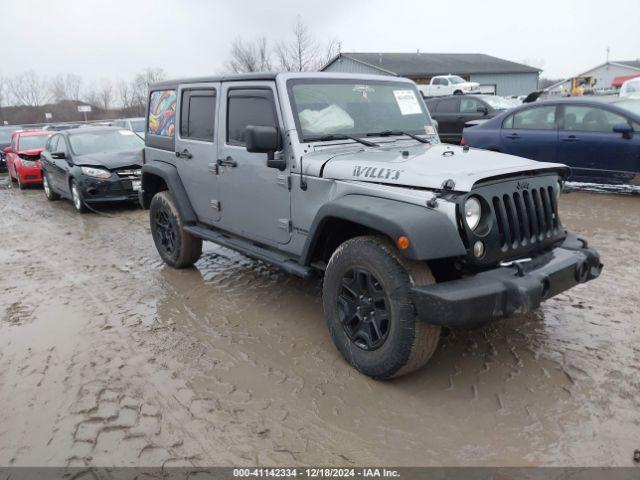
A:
(407, 102)
(126, 132)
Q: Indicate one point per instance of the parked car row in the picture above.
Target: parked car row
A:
(453, 112)
(598, 137)
(136, 125)
(87, 165)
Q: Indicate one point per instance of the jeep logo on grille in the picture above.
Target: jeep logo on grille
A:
(522, 185)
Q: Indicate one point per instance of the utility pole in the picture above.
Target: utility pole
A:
(608, 49)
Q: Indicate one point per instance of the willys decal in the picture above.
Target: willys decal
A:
(376, 172)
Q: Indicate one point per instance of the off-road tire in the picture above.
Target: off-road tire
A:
(410, 342)
(185, 249)
(48, 191)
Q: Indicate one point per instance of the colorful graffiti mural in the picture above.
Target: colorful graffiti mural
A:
(162, 113)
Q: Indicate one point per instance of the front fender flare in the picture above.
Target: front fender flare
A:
(170, 175)
(431, 234)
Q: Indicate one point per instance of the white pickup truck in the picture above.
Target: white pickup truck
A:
(448, 85)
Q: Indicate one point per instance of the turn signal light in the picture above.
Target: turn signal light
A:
(402, 242)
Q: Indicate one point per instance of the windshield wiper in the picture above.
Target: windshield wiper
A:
(341, 136)
(388, 133)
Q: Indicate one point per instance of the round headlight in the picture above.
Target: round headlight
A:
(472, 212)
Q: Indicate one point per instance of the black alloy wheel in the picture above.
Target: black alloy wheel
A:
(166, 232)
(362, 306)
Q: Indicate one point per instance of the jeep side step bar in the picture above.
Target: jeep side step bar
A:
(287, 264)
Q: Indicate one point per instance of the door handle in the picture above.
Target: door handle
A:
(513, 136)
(184, 154)
(571, 138)
(227, 162)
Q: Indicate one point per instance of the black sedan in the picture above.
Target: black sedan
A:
(92, 165)
(453, 112)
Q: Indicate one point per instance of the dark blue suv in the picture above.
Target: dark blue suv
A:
(598, 137)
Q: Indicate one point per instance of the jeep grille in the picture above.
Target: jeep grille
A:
(522, 219)
(526, 216)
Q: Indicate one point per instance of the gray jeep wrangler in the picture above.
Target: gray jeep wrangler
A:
(344, 176)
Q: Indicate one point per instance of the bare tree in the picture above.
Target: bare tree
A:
(65, 87)
(73, 86)
(300, 53)
(105, 93)
(140, 86)
(58, 88)
(28, 89)
(91, 95)
(124, 93)
(249, 56)
(3, 94)
(328, 53)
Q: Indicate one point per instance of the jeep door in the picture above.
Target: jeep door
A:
(255, 198)
(196, 148)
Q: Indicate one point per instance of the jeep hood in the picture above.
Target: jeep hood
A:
(422, 166)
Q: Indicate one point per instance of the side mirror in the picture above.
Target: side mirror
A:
(260, 139)
(59, 155)
(483, 110)
(7, 150)
(625, 129)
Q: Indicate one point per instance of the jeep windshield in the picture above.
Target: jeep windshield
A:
(333, 107)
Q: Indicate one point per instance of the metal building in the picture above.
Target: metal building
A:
(494, 75)
(605, 75)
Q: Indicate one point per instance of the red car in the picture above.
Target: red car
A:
(23, 156)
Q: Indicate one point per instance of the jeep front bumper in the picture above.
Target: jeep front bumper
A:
(507, 290)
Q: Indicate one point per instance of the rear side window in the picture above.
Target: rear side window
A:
(539, 118)
(249, 107)
(432, 105)
(162, 113)
(197, 118)
(448, 105)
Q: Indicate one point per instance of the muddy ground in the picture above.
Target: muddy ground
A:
(107, 357)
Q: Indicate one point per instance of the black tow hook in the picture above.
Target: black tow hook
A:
(636, 456)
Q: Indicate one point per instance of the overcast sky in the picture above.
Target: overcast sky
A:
(116, 39)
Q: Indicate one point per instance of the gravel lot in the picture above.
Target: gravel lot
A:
(107, 357)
